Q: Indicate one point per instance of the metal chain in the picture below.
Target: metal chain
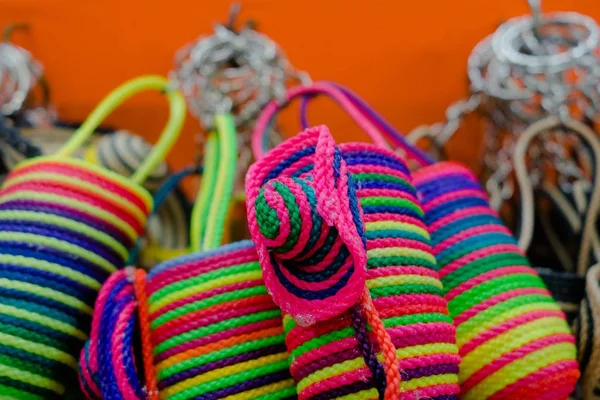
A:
(531, 67)
(441, 132)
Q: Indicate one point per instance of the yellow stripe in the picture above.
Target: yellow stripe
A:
(57, 269)
(394, 225)
(69, 224)
(31, 379)
(426, 381)
(222, 372)
(162, 301)
(59, 245)
(48, 293)
(39, 349)
(96, 191)
(76, 204)
(475, 326)
(42, 320)
(520, 368)
(331, 371)
(261, 391)
(426, 350)
(400, 252)
(131, 186)
(155, 254)
(509, 341)
(357, 363)
(90, 154)
(403, 280)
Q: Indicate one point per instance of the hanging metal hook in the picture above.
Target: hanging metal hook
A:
(536, 13)
(234, 12)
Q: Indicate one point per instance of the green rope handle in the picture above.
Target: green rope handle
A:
(202, 205)
(169, 135)
(216, 190)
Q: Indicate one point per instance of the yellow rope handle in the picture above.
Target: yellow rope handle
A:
(130, 88)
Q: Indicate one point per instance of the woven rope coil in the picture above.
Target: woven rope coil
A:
(107, 367)
(208, 327)
(328, 358)
(513, 338)
(64, 227)
(215, 330)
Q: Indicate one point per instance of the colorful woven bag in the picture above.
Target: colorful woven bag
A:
(209, 328)
(167, 229)
(65, 225)
(506, 319)
(513, 337)
(338, 334)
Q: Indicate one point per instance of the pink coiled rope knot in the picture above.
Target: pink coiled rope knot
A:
(308, 228)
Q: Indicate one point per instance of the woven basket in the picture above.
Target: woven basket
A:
(209, 328)
(513, 337)
(332, 357)
(65, 225)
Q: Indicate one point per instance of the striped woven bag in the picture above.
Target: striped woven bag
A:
(167, 230)
(513, 338)
(65, 225)
(329, 222)
(209, 330)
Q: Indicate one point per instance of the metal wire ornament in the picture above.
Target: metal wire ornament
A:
(531, 67)
(233, 71)
(19, 73)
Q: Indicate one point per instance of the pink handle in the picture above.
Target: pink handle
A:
(338, 96)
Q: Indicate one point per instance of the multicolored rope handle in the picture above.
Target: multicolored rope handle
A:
(170, 133)
(210, 211)
(372, 123)
(384, 126)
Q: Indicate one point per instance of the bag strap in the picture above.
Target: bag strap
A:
(365, 117)
(216, 190)
(526, 189)
(169, 135)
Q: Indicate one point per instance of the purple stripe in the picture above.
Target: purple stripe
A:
(65, 235)
(325, 362)
(350, 354)
(359, 386)
(445, 397)
(244, 386)
(70, 213)
(344, 390)
(251, 355)
(430, 370)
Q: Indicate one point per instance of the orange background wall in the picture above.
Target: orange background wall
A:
(407, 58)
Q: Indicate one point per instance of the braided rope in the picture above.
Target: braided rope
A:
(330, 358)
(107, 362)
(144, 319)
(512, 336)
(64, 227)
(308, 231)
(215, 331)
